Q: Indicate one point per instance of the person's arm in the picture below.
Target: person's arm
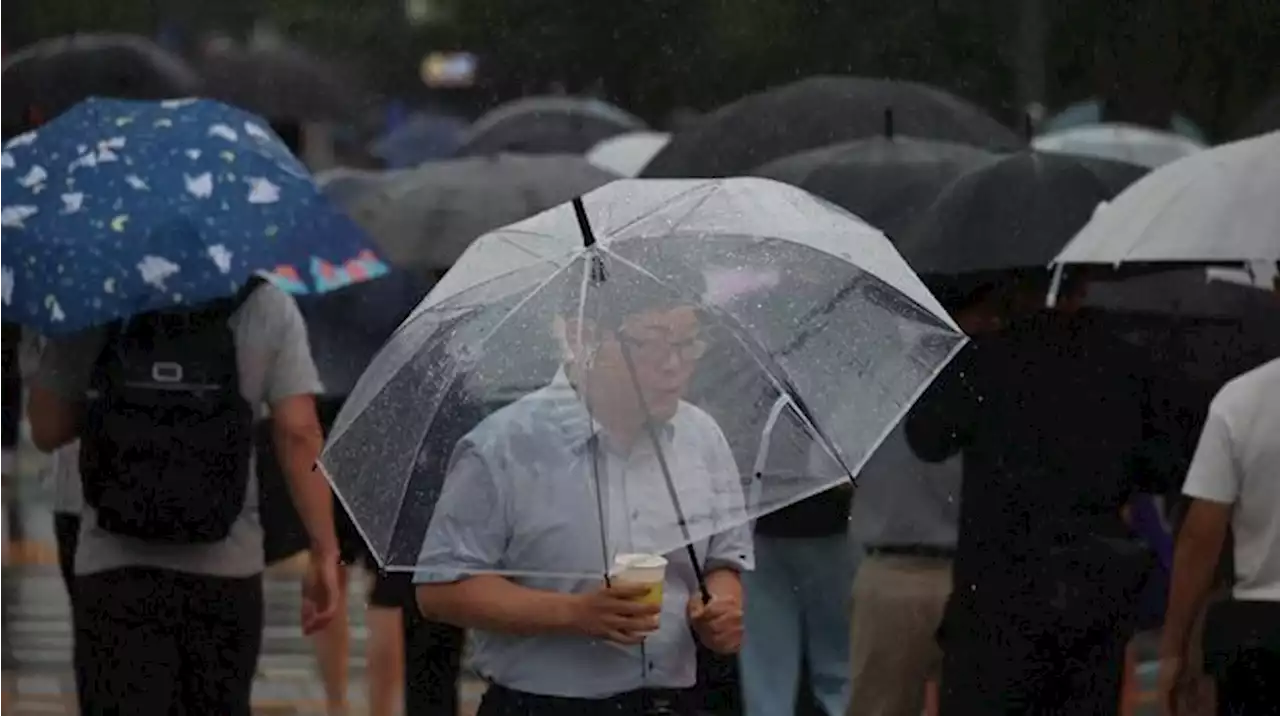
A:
(298, 440)
(939, 425)
(1213, 484)
(56, 404)
(291, 385)
(469, 531)
(493, 603)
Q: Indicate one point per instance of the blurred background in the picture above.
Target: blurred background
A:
(1206, 65)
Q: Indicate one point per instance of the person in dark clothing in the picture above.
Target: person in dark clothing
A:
(1050, 418)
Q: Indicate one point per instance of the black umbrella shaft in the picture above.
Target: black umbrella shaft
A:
(666, 476)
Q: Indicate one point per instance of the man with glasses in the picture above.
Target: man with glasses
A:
(516, 500)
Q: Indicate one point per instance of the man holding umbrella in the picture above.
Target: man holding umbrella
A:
(552, 646)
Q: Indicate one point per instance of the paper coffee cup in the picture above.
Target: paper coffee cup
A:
(646, 569)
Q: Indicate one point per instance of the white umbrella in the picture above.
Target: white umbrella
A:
(627, 154)
(1140, 146)
(1221, 205)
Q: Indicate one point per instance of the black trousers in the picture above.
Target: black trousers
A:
(996, 670)
(432, 663)
(66, 531)
(500, 701)
(1250, 685)
(154, 641)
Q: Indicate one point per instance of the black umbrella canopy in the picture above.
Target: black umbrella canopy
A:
(347, 327)
(1016, 212)
(819, 111)
(547, 125)
(45, 79)
(280, 82)
(1262, 120)
(886, 181)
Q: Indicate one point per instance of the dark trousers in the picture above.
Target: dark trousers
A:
(500, 701)
(154, 641)
(998, 670)
(66, 531)
(1251, 684)
(432, 664)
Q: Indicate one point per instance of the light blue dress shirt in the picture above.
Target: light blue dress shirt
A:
(519, 499)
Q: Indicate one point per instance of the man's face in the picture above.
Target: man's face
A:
(664, 346)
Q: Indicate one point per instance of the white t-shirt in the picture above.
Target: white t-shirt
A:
(1238, 463)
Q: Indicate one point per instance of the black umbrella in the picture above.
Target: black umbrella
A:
(887, 181)
(45, 79)
(547, 125)
(347, 327)
(1016, 212)
(1262, 120)
(280, 82)
(818, 111)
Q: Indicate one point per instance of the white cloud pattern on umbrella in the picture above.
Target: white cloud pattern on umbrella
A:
(55, 310)
(34, 177)
(193, 154)
(13, 216)
(136, 182)
(262, 191)
(21, 140)
(222, 130)
(72, 201)
(257, 132)
(6, 161)
(201, 187)
(221, 257)
(156, 269)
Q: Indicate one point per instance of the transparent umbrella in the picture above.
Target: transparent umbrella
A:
(571, 381)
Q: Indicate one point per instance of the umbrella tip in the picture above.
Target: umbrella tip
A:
(588, 236)
(1028, 126)
(888, 122)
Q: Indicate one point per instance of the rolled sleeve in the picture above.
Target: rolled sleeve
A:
(468, 532)
(1214, 475)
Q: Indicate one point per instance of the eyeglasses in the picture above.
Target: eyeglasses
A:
(658, 350)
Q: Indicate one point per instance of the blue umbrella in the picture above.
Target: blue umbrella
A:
(121, 207)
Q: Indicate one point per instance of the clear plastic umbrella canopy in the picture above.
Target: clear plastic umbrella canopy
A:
(672, 361)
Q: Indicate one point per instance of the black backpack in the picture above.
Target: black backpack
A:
(166, 444)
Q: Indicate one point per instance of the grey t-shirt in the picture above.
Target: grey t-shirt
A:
(275, 362)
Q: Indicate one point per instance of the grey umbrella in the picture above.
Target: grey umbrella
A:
(425, 218)
(345, 186)
(547, 125)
